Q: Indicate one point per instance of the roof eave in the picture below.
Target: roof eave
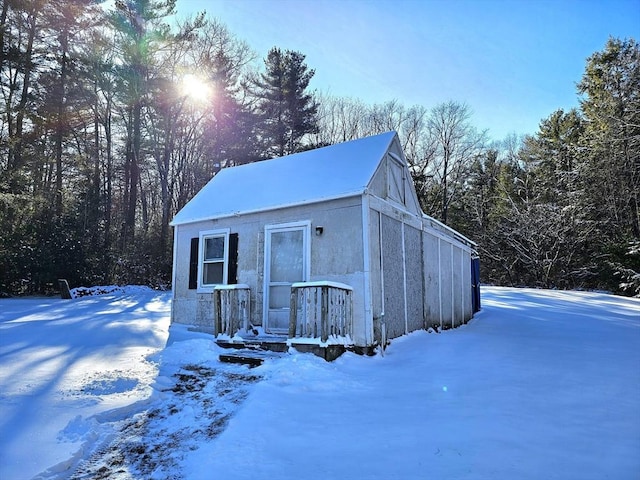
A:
(268, 209)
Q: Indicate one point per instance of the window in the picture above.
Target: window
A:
(214, 255)
(213, 260)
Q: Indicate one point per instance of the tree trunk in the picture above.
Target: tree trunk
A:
(61, 121)
(15, 146)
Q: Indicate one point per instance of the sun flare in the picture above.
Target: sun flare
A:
(196, 88)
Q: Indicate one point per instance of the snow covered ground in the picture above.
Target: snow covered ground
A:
(541, 384)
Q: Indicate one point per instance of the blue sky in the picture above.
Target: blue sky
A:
(513, 62)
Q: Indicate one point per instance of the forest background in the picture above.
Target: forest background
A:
(111, 120)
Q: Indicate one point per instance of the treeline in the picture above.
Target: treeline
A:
(113, 119)
(562, 209)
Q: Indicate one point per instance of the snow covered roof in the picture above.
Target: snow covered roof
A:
(327, 173)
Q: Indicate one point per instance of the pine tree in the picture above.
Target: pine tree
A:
(610, 170)
(139, 24)
(611, 106)
(287, 111)
(231, 128)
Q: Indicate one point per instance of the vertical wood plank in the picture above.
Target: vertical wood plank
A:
(325, 314)
(293, 312)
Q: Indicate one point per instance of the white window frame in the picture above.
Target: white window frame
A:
(220, 233)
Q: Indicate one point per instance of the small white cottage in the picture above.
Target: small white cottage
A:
(324, 247)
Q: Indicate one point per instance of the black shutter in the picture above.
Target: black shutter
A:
(193, 264)
(233, 259)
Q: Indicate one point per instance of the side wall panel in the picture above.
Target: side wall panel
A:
(376, 273)
(415, 292)
(458, 318)
(431, 261)
(445, 286)
(393, 277)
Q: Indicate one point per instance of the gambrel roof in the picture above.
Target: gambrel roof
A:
(337, 171)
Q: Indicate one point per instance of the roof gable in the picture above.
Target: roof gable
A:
(337, 171)
(393, 181)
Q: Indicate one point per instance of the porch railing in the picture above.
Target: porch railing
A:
(321, 310)
(231, 308)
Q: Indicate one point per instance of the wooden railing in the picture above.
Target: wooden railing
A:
(321, 310)
(230, 308)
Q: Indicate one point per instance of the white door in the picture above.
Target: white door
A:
(286, 262)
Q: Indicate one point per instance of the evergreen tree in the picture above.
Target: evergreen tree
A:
(139, 23)
(611, 85)
(610, 170)
(287, 111)
(231, 135)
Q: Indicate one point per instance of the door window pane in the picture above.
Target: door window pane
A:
(287, 256)
(279, 297)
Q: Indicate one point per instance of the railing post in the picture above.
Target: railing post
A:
(244, 308)
(324, 314)
(293, 312)
(217, 312)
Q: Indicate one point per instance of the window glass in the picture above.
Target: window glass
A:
(214, 248)
(213, 273)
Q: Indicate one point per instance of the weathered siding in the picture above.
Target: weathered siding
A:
(414, 280)
(378, 184)
(375, 276)
(431, 261)
(390, 185)
(393, 277)
(456, 287)
(446, 260)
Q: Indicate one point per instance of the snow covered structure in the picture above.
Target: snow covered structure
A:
(328, 246)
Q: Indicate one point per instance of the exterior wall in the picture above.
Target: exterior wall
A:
(447, 277)
(432, 283)
(393, 277)
(414, 281)
(397, 285)
(375, 277)
(336, 255)
(456, 286)
(446, 306)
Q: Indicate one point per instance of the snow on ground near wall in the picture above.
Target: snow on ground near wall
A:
(61, 360)
(541, 384)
